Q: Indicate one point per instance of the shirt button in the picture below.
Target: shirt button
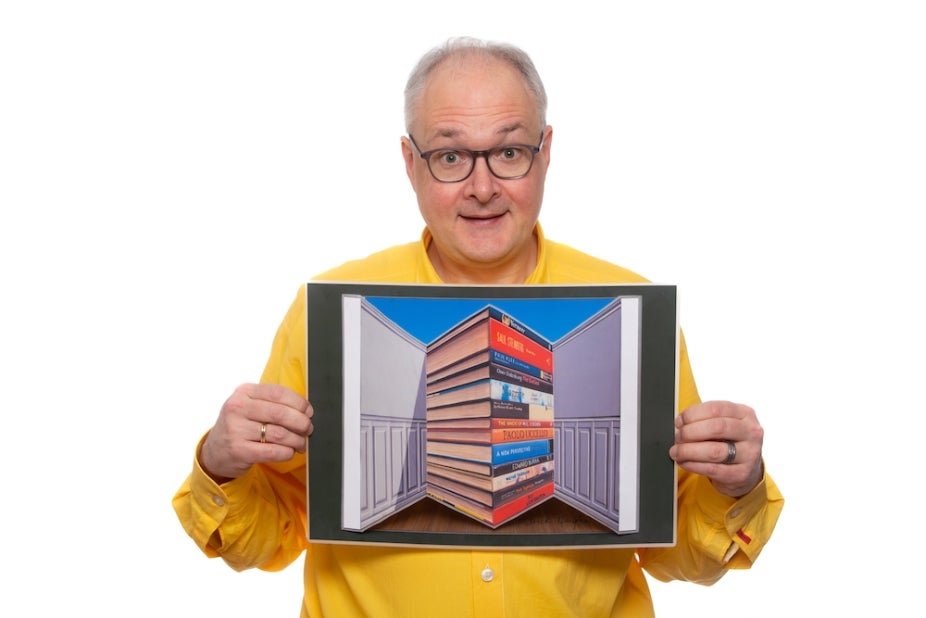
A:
(218, 500)
(488, 574)
(735, 512)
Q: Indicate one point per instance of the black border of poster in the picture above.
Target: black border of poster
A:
(658, 402)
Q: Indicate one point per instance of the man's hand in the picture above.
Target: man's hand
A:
(258, 423)
(702, 436)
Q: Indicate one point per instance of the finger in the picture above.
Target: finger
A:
(270, 434)
(709, 430)
(276, 393)
(295, 421)
(714, 409)
(730, 457)
(240, 455)
(733, 479)
(272, 403)
(709, 452)
(719, 422)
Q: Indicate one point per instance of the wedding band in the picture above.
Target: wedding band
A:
(731, 452)
(263, 435)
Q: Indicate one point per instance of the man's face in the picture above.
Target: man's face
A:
(482, 226)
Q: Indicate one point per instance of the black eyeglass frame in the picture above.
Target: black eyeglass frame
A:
(475, 154)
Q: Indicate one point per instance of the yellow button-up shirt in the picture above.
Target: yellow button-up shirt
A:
(259, 520)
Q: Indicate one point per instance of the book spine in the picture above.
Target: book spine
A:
(513, 376)
(484, 497)
(482, 409)
(461, 365)
(461, 436)
(517, 423)
(521, 504)
(487, 423)
(519, 476)
(489, 484)
(505, 391)
(479, 481)
(469, 507)
(520, 434)
(462, 393)
(475, 435)
(497, 356)
(512, 451)
(508, 494)
(463, 345)
(520, 464)
(509, 341)
(474, 467)
(506, 319)
(467, 376)
(460, 450)
(511, 409)
(491, 388)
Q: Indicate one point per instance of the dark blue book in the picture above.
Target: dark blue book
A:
(514, 363)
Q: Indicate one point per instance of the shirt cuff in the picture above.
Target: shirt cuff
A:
(742, 522)
(212, 502)
(733, 518)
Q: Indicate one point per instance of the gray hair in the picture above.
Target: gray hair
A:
(460, 46)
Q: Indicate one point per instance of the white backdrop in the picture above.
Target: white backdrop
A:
(170, 173)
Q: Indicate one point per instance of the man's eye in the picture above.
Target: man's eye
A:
(509, 153)
(449, 158)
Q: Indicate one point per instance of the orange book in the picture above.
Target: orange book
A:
(492, 435)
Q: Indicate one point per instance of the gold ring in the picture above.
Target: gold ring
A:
(263, 433)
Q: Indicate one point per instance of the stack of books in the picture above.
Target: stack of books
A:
(490, 417)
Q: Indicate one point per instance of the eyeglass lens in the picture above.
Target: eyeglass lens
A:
(504, 162)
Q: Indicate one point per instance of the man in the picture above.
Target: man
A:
(477, 153)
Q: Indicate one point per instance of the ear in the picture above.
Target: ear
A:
(547, 143)
(408, 153)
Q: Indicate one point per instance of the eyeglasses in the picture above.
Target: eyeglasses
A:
(508, 162)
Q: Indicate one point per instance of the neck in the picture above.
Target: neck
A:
(510, 272)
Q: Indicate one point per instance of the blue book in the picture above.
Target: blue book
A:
(513, 451)
(491, 454)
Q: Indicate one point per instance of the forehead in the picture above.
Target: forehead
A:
(476, 97)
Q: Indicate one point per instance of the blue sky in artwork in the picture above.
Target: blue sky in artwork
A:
(426, 319)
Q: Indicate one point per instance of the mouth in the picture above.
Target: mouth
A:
(483, 217)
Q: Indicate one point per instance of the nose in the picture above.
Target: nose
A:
(482, 183)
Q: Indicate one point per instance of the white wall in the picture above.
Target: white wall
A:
(170, 172)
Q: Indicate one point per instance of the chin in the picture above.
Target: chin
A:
(487, 258)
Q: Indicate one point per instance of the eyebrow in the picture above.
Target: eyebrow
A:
(504, 130)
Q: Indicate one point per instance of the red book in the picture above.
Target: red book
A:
(507, 340)
(522, 503)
